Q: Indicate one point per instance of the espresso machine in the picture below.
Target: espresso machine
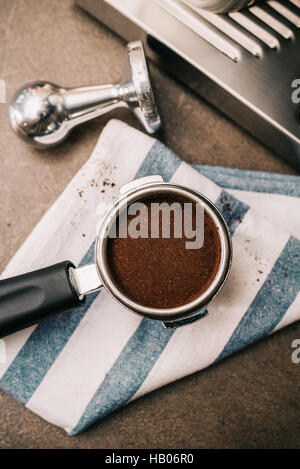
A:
(243, 56)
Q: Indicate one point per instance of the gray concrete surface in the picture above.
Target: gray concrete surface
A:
(249, 400)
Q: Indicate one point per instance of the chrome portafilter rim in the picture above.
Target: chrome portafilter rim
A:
(191, 308)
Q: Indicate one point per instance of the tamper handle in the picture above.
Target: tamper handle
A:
(82, 104)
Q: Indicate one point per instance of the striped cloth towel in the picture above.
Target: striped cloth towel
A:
(74, 369)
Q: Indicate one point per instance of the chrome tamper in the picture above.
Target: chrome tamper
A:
(43, 113)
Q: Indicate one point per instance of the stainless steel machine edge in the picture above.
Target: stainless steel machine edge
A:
(253, 90)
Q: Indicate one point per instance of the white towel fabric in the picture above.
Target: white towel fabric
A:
(73, 369)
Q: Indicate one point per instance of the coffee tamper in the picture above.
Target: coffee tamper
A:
(43, 113)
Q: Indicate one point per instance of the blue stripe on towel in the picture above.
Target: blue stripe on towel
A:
(233, 210)
(42, 348)
(159, 160)
(257, 181)
(128, 372)
(271, 302)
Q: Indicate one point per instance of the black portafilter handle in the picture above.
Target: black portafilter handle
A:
(28, 298)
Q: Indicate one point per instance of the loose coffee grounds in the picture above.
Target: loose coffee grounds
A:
(161, 272)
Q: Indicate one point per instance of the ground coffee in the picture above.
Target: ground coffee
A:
(161, 272)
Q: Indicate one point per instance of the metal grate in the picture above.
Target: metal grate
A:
(265, 23)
